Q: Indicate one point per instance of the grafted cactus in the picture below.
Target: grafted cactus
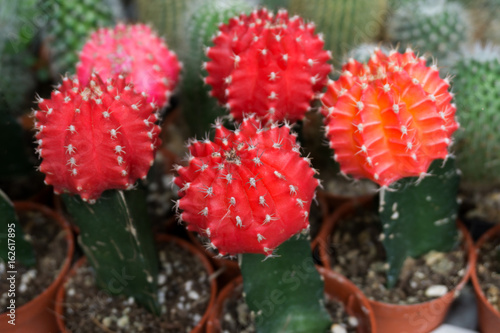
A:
(95, 138)
(388, 121)
(249, 191)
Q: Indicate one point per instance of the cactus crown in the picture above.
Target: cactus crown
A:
(266, 64)
(95, 137)
(135, 51)
(390, 118)
(248, 190)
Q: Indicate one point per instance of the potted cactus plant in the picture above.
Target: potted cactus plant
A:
(391, 120)
(249, 190)
(97, 135)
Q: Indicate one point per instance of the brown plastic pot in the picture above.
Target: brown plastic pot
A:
(336, 286)
(395, 318)
(489, 317)
(38, 314)
(225, 270)
(199, 328)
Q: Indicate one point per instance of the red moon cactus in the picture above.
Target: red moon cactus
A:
(249, 190)
(269, 65)
(390, 118)
(95, 137)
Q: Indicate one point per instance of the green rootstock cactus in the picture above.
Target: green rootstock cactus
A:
(439, 27)
(289, 280)
(419, 216)
(477, 88)
(117, 239)
(197, 105)
(70, 24)
(344, 23)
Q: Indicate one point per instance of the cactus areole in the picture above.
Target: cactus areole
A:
(390, 118)
(249, 190)
(269, 65)
(136, 52)
(96, 137)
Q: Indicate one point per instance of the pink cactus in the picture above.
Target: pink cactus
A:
(249, 190)
(389, 119)
(136, 52)
(95, 137)
(269, 65)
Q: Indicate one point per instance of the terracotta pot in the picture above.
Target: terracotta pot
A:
(336, 287)
(225, 270)
(38, 314)
(415, 318)
(59, 308)
(489, 317)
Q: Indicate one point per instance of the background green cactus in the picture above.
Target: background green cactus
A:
(477, 95)
(439, 27)
(344, 23)
(16, 58)
(70, 23)
(197, 106)
(116, 237)
(420, 216)
(286, 292)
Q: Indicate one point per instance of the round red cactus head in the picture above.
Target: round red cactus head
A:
(95, 137)
(136, 52)
(269, 65)
(249, 190)
(390, 118)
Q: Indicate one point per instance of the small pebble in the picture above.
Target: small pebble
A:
(436, 291)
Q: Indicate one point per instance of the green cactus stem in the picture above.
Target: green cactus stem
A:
(285, 292)
(22, 250)
(419, 215)
(198, 107)
(118, 242)
(344, 23)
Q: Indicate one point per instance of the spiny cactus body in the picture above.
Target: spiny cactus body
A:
(198, 107)
(95, 137)
(477, 87)
(389, 119)
(267, 64)
(439, 27)
(135, 51)
(343, 23)
(249, 190)
(70, 22)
